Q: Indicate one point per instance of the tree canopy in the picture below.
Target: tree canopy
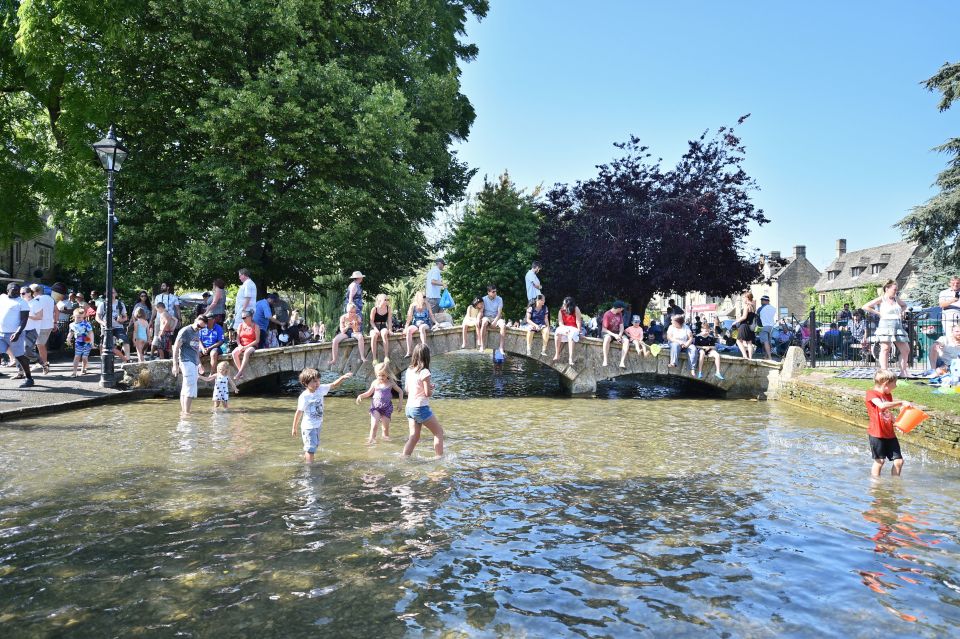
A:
(935, 224)
(298, 138)
(494, 243)
(636, 228)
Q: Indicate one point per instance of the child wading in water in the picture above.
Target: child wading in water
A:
(310, 409)
(883, 440)
(82, 333)
(381, 402)
(419, 390)
(222, 383)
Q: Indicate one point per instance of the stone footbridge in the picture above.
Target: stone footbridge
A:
(743, 378)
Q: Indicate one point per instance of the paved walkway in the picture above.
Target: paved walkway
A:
(55, 392)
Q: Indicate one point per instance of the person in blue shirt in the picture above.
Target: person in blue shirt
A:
(211, 338)
(262, 313)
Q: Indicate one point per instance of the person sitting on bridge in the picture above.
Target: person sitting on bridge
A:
(680, 337)
(420, 319)
(634, 333)
(569, 325)
(472, 320)
(248, 336)
(538, 321)
(612, 329)
(492, 316)
(349, 327)
(706, 343)
(381, 319)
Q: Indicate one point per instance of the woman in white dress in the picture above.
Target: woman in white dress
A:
(890, 330)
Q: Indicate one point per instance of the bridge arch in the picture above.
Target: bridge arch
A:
(743, 378)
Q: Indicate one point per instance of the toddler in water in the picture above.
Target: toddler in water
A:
(381, 402)
(222, 383)
(883, 440)
(82, 333)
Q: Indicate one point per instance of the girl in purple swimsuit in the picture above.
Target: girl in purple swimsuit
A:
(381, 402)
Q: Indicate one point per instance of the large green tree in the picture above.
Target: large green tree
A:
(935, 224)
(494, 243)
(295, 138)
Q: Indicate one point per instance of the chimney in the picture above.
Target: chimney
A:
(799, 251)
(774, 255)
(841, 248)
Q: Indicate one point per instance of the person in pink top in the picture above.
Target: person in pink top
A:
(419, 391)
(612, 329)
(634, 333)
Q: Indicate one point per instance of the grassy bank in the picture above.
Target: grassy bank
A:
(910, 391)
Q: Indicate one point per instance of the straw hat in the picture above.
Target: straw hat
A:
(355, 275)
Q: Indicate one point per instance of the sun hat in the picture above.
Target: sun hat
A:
(355, 275)
(636, 319)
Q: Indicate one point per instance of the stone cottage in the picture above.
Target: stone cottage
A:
(871, 266)
(784, 280)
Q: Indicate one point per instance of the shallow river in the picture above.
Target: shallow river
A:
(647, 511)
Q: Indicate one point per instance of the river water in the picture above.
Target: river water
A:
(647, 511)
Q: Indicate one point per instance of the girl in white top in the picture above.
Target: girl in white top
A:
(890, 329)
(419, 390)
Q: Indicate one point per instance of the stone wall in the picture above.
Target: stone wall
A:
(941, 432)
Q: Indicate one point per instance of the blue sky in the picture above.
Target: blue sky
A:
(841, 129)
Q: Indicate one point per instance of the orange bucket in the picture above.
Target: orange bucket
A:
(910, 418)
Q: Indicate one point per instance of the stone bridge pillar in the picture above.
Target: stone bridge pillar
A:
(583, 384)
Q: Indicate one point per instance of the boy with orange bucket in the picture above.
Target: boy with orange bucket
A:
(883, 440)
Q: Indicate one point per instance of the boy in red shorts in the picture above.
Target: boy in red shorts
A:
(883, 440)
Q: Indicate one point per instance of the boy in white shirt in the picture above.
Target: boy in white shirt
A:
(310, 409)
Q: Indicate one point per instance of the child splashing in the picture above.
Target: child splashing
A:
(381, 402)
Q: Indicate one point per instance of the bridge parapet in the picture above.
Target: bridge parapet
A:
(743, 378)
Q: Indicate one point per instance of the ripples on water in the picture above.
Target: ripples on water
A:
(549, 517)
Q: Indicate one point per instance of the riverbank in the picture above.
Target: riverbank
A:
(57, 391)
(818, 393)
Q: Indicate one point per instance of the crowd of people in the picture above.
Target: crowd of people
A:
(31, 316)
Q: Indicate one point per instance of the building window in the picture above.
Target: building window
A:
(823, 298)
(17, 252)
(832, 275)
(857, 270)
(44, 258)
(876, 268)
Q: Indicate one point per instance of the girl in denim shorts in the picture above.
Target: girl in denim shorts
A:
(419, 390)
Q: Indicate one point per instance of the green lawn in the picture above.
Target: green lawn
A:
(911, 391)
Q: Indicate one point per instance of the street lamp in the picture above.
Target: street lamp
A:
(111, 154)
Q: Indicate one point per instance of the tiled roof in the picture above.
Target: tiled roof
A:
(894, 256)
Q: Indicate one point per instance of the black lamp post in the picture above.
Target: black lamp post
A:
(111, 154)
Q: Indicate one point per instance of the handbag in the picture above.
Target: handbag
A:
(446, 300)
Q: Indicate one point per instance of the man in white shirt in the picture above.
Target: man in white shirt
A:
(949, 301)
(170, 301)
(435, 284)
(533, 283)
(768, 321)
(246, 297)
(46, 323)
(33, 323)
(14, 315)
